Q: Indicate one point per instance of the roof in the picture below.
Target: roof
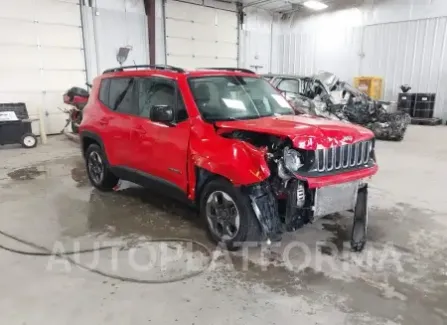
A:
(172, 72)
(291, 76)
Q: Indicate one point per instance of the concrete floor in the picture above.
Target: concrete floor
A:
(401, 277)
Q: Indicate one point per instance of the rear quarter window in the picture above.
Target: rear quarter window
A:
(104, 91)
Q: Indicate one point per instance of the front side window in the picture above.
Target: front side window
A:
(235, 97)
(158, 91)
(289, 86)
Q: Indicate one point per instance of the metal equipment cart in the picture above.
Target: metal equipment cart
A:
(15, 125)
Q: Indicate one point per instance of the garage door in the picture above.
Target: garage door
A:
(199, 36)
(42, 55)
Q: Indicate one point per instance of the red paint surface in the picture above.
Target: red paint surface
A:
(306, 132)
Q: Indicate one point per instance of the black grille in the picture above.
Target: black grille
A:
(343, 157)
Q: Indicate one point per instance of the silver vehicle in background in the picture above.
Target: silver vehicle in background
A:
(325, 95)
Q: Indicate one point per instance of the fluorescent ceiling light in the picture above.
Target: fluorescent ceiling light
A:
(315, 5)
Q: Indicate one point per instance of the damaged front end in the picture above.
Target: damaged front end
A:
(305, 185)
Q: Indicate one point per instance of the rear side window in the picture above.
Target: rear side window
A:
(119, 94)
(124, 100)
(104, 91)
(118, 90)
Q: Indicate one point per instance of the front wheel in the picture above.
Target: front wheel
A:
(228, 214)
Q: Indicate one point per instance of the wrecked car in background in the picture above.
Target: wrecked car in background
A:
(325, 95)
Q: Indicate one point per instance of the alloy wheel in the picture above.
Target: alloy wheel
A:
(95, 167)
(222, 215)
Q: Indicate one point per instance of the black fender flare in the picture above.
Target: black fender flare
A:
(84, 137)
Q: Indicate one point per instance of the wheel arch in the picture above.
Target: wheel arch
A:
(203, 177)
(88, 138)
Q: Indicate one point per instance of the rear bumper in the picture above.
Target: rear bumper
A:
(327, 180)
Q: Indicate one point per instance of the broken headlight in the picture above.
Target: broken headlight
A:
(292, 160)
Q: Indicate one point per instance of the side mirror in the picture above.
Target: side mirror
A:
(162, 113)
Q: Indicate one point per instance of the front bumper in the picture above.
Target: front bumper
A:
(328, 180)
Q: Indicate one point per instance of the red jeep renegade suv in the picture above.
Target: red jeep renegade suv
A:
(226, 141)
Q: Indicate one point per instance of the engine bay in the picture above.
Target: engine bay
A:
(293, 198)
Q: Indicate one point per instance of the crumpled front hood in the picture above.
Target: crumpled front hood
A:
(306, 132)
(327, 78)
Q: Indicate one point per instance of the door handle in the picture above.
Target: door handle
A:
(139, 129)
(104, 121)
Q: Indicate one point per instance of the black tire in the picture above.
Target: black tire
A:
(249, 227)
(28, 141)
(360, 225)
(108, 180)
(74, 127)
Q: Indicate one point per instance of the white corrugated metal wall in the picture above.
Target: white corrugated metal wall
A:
(42, 56)
(410, 52)
(403, 43)
(109, 25)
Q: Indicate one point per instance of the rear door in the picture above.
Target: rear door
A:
(117, 124)
(162, 149)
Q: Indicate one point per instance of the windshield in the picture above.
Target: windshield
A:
(221, 98)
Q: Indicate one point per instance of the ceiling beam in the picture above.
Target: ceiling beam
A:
(149, 6)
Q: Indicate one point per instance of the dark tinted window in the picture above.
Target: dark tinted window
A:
(181, 113)
(289, 85)
(104, 91)
(158, 91)
(126, 102)
(118, 89)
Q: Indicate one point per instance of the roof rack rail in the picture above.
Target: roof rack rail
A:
(231, 69)
(144, 66)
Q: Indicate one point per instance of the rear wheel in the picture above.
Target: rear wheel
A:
(228, 214)
(74, 127)
(98, 170)
(75, 122)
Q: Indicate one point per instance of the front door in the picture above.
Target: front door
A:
(161, 150)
